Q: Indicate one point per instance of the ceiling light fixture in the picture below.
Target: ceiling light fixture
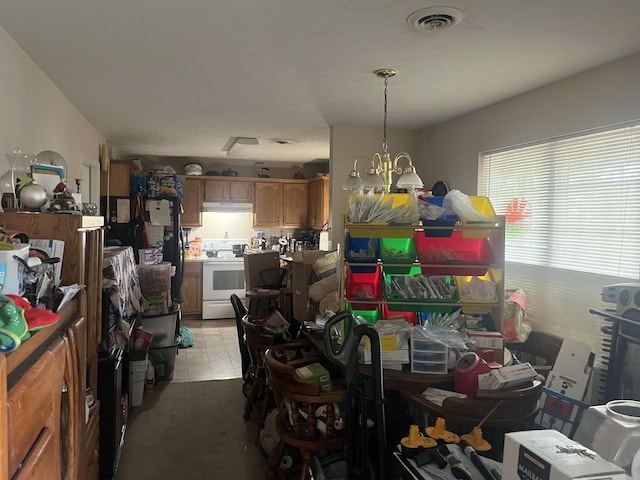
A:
(379, 175)
(241, 146)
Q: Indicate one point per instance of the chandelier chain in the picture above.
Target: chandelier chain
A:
(384, 125)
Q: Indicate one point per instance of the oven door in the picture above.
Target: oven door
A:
(220, 279)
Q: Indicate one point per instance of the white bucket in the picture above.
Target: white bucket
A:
(12, 271)
(612, 430)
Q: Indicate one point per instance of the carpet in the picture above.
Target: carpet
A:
(192, 430)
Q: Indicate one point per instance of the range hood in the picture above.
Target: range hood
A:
(228, 207)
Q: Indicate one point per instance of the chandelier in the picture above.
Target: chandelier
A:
(379, 174)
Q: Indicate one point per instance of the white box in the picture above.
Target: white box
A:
(571, 370)
(549, 455)
(53, 248)
(507, 377)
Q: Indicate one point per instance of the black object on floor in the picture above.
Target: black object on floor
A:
(364, 399)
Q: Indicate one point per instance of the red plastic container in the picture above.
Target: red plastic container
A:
(454, 255)
(363, 286)
(409, 317)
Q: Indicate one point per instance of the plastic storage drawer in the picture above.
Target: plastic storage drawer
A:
(428, 356)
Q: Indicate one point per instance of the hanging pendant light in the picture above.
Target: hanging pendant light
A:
(379, 175)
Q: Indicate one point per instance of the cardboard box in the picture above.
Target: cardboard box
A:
(301, 276)
(490, 340)
(507, 377)
(572, 370)
(549, 455)
(256, 261)
(315, 372)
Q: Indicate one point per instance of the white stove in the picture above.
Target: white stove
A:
(222, 276)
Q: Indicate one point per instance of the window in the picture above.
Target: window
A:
(571, 203)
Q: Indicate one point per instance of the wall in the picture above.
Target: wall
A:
(348, 143)
(558, 300)
(603, 96)
(35, 116)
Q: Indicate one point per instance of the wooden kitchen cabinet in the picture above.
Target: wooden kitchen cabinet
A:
(192, 203)
(318, 202)
(228, 190)
(281, 203)
(267, 209)
(191, 291)
(295, 204)
(117, 181)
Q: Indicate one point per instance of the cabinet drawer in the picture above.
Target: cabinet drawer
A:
(34, 406)
(40, 460)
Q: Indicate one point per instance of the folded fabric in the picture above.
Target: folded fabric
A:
(322, 287)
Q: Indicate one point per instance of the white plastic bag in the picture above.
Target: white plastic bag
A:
(461, 204)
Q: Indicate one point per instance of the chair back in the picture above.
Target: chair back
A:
(241, 311)
(540, 350)
(307, 416)
(274, 277)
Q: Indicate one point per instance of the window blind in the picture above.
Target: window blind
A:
(570, 203)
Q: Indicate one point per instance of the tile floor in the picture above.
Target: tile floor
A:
(215, 354)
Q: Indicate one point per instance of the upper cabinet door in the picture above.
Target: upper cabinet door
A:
(227, 190)
(241, 191)
(192, 203)
(268, 204)
(318, 202)
(216, 190)
(117, 181)
(295, 204)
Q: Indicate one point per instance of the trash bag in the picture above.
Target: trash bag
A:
(516, 324)
(186, 337)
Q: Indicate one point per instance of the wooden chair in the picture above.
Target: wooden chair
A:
(540, 350)
(297, 401)
(240, 311)
(255, 388)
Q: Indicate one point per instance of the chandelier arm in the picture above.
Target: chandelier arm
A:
(378, 167)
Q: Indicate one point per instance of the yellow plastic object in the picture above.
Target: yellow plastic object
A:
(415, 440)
(404, 229)
(440, 433)
(476, 440)
(482, 205)
(472, 306)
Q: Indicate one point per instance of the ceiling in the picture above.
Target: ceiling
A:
(163, 78)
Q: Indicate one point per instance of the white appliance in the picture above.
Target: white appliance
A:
(222, 276)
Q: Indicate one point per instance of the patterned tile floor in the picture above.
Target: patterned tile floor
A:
(215, 354)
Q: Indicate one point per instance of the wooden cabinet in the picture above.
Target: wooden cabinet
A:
(228, 190)
(191, 292)
(295, 204)
(281, 203)
(318, 202)
(192, 203)
(81, 264)
(34, 442)
(117, 181)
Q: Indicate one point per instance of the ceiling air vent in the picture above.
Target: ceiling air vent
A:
(435, 18)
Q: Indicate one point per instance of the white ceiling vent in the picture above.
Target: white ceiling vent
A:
(435, 18)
